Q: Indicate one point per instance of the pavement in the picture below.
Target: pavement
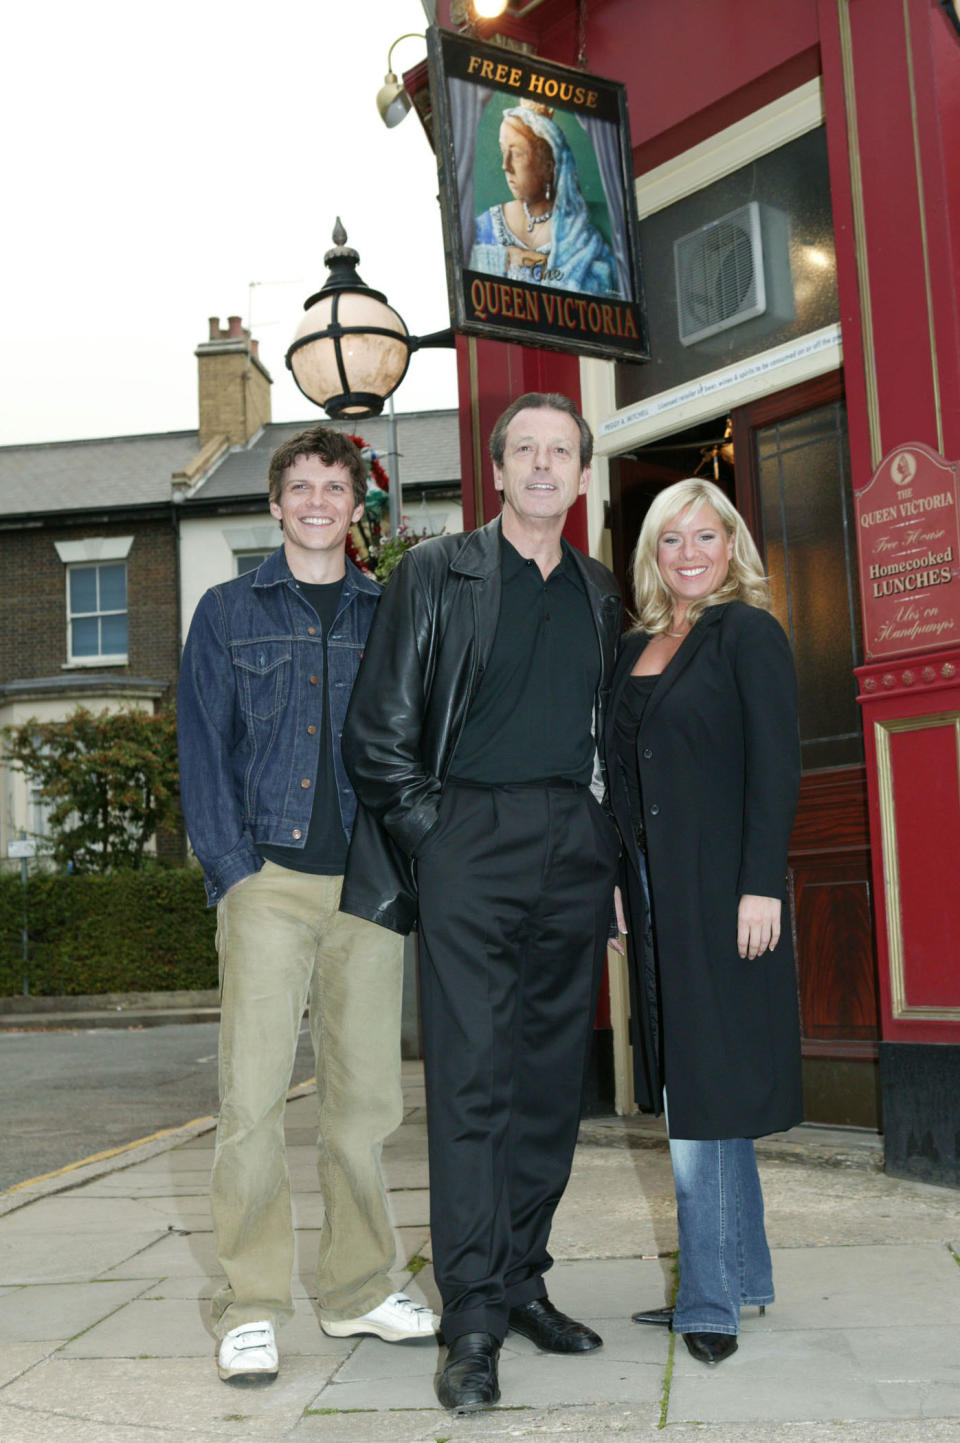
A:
(106, 1269)
(108, 1009)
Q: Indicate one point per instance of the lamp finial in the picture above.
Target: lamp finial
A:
(341, 251)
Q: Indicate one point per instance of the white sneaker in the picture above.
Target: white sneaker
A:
(396, 1319)
(249, 1351)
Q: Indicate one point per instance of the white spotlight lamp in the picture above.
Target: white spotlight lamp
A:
(393, 102)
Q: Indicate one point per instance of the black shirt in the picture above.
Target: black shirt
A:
(532, 715)
(324, 852)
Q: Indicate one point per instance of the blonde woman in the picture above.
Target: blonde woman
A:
(703, 757)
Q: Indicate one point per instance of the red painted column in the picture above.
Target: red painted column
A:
(891, 74)
(891, 77)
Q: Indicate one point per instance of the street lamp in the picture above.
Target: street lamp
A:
(351, 349)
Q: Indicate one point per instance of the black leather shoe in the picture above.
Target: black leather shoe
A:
(469, 1378)
(552, 1331)
(710, 1347)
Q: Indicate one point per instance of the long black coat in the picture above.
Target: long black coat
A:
(718, 755)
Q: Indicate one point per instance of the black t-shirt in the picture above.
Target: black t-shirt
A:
(325, 850)
(532, 715)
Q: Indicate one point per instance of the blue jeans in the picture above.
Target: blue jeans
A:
(724, 1258)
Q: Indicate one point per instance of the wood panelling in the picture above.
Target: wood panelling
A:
(832, 912)
(832, 813)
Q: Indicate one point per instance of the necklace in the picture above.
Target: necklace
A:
(534, 220)
(679, 634)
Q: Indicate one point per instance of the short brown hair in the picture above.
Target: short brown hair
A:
(540, 401)
(331, 447)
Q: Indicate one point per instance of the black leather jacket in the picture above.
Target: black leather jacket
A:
(423, 662)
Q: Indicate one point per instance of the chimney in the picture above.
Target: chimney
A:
(233, 383)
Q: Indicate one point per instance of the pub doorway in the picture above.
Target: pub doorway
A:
(784, 461)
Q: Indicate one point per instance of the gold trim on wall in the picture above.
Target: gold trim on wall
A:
(860, 234)
(891, 866)
(921, 207)
(478, 508)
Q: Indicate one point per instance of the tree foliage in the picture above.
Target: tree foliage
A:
(110, 780)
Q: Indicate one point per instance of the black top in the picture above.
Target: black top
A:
(633, 703)
(531, 717)
(324, 853)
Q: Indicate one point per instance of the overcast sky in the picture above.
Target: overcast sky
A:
(159, 159)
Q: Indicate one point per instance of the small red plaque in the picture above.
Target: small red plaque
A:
(908, 535)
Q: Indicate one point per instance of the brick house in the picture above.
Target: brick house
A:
(88, 586)
(107, 545)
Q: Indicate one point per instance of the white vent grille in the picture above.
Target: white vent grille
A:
(720, 274)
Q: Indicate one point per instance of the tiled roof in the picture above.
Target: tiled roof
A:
(428, 443)
(70, 475)
(137, 470)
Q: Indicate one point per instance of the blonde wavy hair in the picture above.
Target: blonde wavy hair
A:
(745, 579)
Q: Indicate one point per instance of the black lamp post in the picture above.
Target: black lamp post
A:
(351, 349)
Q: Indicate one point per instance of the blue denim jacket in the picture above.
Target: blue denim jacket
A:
(249, 714)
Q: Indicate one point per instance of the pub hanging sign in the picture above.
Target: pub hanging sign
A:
(908, 538)
(536, 195)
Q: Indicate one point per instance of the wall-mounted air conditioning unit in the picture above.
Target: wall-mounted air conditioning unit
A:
(732, 270)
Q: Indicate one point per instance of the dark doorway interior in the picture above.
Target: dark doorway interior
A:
(636, 476)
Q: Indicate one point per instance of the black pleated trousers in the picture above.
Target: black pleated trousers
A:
(516, 886)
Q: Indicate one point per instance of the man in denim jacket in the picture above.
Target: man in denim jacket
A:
(267, 672)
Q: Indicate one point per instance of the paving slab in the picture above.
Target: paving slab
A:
(400, 1171)
(910, 1285)
(372, 1360)
(17, 1358)
(173, 1393)
(189, 1287)
(79, 1215)
(56, 1311)
(19, 1425)
(187, 1183)
(637, 1216)
(411, 1207)
(528, 1379)
(573, 1425)
(172, 1254)
(813, 1204)
(163, 1327)
(611, 1289)
(580, 1425)
(819, 1374)
(55, 1257)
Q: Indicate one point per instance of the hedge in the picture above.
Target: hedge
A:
(147, 931)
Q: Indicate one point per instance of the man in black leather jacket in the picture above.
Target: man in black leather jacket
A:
(471, 740)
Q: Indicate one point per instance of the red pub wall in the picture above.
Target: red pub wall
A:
(891, 76)
(891, 86)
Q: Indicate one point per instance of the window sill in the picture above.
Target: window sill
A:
(87, 663)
